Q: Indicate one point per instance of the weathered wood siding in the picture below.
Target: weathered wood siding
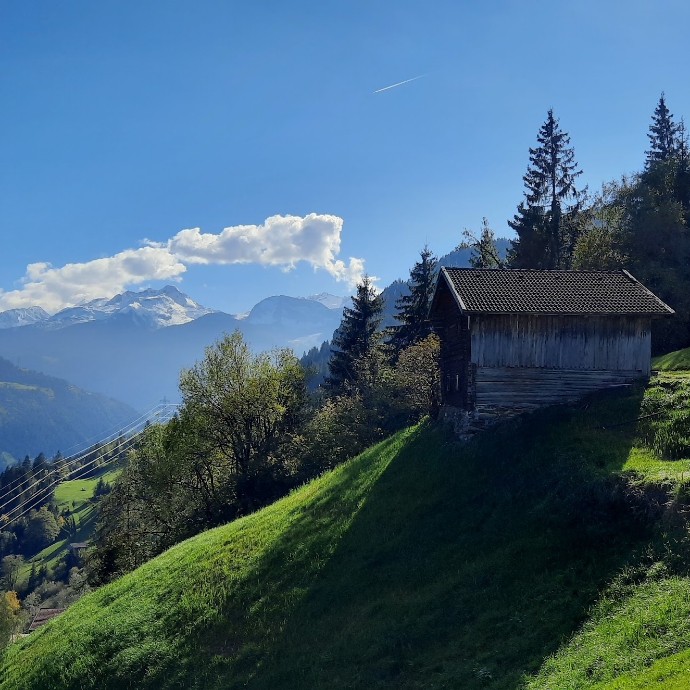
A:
(452, 328)
(524, 388)
(602, 343)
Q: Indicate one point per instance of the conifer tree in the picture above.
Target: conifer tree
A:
(413, 308)
(356, 337)
(663, 133)
(546, 219)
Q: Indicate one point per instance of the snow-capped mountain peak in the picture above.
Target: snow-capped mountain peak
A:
(22, 316)
(156, 308)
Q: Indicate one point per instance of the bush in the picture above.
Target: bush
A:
(665, 427)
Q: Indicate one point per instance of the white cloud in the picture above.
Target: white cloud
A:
(55, 288)
(280, 241)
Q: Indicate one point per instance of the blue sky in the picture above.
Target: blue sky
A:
(126, 121)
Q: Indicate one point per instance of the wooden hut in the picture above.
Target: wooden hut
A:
(512, 340)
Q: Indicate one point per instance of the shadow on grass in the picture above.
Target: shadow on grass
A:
(423, 563)
(465, 566)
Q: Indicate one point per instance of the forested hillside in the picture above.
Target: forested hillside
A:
(40, 413)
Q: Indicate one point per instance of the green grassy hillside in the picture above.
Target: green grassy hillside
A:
(673, 361)
(550, 552)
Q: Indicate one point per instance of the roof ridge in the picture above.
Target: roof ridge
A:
(577, 271)
(550, 291)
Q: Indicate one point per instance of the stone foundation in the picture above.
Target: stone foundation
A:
(466, 423)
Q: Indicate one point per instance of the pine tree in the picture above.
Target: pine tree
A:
(663, 133)
(545, 221)
(413, 308)
(356, 337)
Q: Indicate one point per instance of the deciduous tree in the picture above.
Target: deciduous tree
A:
(10, 618)
(11, 567)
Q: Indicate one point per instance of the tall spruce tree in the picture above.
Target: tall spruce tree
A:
(546, 220)
(656, 236)
(413, 308)
(356, 337)
(663, 134)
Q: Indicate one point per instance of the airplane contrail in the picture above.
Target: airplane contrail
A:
(392, 86)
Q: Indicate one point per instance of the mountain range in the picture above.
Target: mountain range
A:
(132, 348)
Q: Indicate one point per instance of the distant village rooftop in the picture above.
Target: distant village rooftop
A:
(519, 291)
(43, 616)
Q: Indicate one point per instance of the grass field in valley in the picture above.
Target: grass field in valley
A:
(75, 495)
(548, 553)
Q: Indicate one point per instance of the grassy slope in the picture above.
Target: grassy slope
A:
(673, 361)
(420, 564)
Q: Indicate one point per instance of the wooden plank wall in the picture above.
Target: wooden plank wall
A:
(452, 328)
(523, 388)
(603, 343)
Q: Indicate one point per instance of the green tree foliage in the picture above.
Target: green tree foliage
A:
(243, 402)
(102, 488)
(600, 241)
(223, 455)
(8, 542)
(386, 398)
(642, 223)
(657, 230)
(413, 308)
(357, 336)
(10, 618)
(485, 253)
(682, 170)
(42, 529)
(417, 377)
(546, 220)
(11, 566)
(663, 135)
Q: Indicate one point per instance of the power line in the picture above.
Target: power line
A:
(39, 495)
(4, 490)
(74, 460)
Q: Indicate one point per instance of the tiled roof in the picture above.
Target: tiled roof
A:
(513, 291)
(43, 616)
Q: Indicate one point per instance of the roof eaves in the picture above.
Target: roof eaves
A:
(449, 282)
(631, 277)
